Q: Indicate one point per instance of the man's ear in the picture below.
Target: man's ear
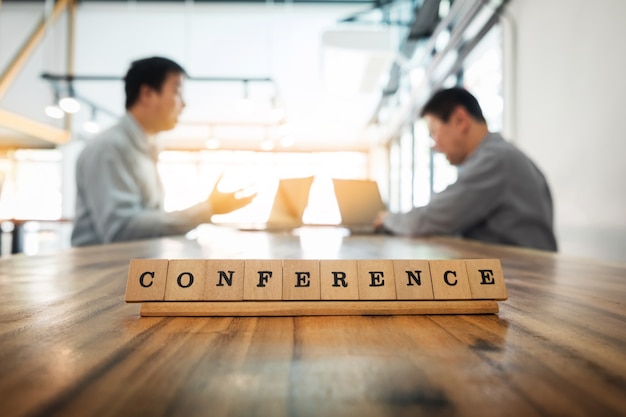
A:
(460, 118)
(145, 94)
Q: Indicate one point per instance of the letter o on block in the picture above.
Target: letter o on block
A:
(185, 280)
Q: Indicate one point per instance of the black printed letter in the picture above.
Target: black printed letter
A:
(180, 280)
(376, 279)
(417, 279)
(141, 279)
(487, 276)
(339, 276)
(264, 276)
(445, 277)
(302, 279)
(228, 279)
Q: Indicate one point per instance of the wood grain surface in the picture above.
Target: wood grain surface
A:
(71, 346)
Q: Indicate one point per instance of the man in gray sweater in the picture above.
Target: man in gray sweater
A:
(500, 196)
(119, 192)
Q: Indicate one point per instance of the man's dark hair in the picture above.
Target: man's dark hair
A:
(443, 103)
(148, 71)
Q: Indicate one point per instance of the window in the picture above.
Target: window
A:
(31, 185)
(189, 177)
(416, 170)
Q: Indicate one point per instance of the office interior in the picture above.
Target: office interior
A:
(330, 89)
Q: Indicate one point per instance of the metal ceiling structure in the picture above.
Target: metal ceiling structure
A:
(421, 21)
(33, 133)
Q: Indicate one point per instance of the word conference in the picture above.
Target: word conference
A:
(303, 287)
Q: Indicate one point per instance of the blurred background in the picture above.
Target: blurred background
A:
(330, 89)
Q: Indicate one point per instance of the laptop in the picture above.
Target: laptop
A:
(359, 203)
(290, 201)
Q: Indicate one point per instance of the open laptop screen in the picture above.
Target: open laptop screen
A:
(359, 201)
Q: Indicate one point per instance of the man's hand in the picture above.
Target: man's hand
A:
(380, 218)
(222, 203)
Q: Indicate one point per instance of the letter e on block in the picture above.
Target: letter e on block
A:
(146, 280)
(224, 280)
(486, 279)
(301, 279)
(263, 279)
(376, 279)
(413, 279)
(450, 280)
(185, 280)
(339, 280)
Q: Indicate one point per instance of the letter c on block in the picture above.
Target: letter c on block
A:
(143, 284)
(445, 277)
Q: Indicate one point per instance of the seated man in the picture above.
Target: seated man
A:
(500, 196)
(119, 192)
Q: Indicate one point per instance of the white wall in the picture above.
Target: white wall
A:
(569, 110)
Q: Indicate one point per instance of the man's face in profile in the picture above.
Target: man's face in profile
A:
(448, 136)
(169, 101)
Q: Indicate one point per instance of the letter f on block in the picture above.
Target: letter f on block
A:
(264, 276)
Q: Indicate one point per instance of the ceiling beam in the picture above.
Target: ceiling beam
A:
(22, 56)
(33, 128)
(69, 67)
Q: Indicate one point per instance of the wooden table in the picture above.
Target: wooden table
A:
(71, 346)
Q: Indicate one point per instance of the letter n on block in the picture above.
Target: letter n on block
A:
(413, 279)
(301, 279)
(376, 280)
(450, 280)
(185, 280)
(263, 279)
(224, 280)
(486, 279)
(339, 280)
(146, 280)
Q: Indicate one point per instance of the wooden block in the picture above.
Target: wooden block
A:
(413, 280)
(486, 279)
(314, 308)
(224, 280)
(301, 279)
(146, 280)
(339, 280)
(376, 280)
(450, 280)
(185, 280)
(263, 279)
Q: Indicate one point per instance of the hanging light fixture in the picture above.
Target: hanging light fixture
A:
(69, 104)
(53, 110)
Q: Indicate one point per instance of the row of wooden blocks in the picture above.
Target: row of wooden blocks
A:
(290, 280)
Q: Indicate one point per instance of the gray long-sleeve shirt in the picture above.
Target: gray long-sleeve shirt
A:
(500, 196)
(119, 193)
